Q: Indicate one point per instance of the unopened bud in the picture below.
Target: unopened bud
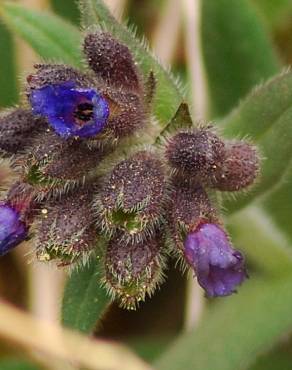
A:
(197, 154)
(132, 197)
(240, 167)
(133, 270)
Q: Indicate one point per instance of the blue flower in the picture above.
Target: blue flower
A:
(219, 267)
(12, 230)
(71, 110)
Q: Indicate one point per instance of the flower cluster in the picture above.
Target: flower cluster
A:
(88, 190)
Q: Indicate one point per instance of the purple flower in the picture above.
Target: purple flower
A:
(12, 230)
(71, 110)
(218, 266)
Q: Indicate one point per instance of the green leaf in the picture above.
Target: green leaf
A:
(279, 359)
(168, 96)
(235, 330)
(67, 9)
(8, 83)
(84, 301)
(50, 36)
(261, 240)
(279, 205)
(276, 12)
(275, 146)
(260, 109)
(265, 117)
(15, 364)
(236, 49)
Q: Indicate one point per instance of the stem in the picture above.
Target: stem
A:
(63, 345)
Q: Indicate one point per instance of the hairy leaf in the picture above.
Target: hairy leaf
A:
(8, 90)
(236, 330)
(237, 51)
(16, 364)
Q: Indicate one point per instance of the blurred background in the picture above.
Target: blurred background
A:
(171, 27)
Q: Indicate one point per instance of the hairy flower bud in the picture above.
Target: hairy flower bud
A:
(196, 154)
(17, 129)
(66, 230)
(240, 167)
(54, 166)
(189, 206)
(133, 270)
(219, 268)
(127, 114)
(54, 74)
(132, 196)
(111, 60)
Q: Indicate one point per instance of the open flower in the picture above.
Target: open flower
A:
(70, 110)
(219, 267)
(12, 229)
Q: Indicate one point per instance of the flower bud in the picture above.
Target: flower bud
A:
(54, 166)
(127, 114)
(111, 60)
(133, 270)
(56, 74)
(197, 154)
(132, 196)
(17, 129)
(65, 229)
(219, 268)
(240, 167)
(189, 206)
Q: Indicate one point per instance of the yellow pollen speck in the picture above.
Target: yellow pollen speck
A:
(44, 211)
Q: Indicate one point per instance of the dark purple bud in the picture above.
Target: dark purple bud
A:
(54, 74)
(12, 229)
(65, 230)
(127, 114)
(132, 196)
(54, 166)
(219, 268)
(111, 60)
(133, 270)
(70, 110)
(240, 167)
(197, 153)
(189, 206)
(17, 129)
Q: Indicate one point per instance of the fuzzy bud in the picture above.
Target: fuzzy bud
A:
(53, 74)
(127, 114)
(133, 270)
(132, 196)
(54, 166)
(111, 60)
(17, 129)
(240, 167)
(197, 154)
(189, 206)
(66, 230)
